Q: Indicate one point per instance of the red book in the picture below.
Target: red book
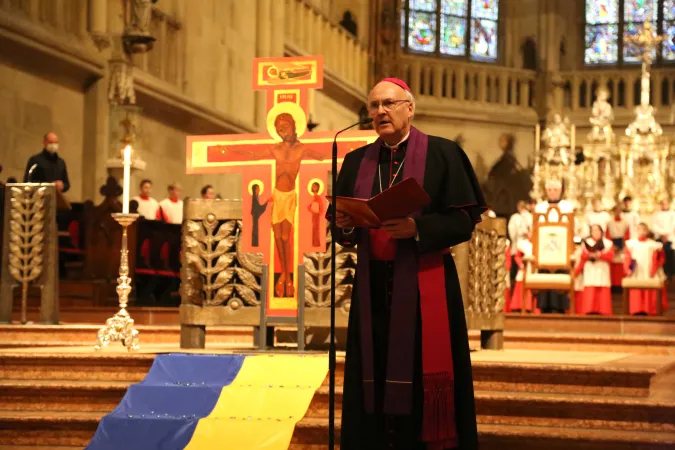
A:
(397, 202)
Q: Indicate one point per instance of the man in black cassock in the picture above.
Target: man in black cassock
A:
(408, 382)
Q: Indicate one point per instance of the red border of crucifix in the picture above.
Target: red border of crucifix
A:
(285, 173)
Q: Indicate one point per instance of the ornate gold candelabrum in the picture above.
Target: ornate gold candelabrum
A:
(120, 327)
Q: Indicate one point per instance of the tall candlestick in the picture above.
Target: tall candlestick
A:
(127, 176)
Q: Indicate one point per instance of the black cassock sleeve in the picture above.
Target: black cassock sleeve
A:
(457, 200)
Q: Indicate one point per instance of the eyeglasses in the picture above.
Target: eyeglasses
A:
(387, 105)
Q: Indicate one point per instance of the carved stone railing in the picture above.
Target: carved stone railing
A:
(482, 271)
(30, 250)
(219, 284)
(309, 32)
(317, 277)
(478, 84)
(578, 91)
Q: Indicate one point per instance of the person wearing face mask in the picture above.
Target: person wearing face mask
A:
(408, 382)
(47, 166)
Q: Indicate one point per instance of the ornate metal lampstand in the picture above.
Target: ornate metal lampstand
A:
(120, 327)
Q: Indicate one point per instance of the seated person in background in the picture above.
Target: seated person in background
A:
(598, 216)
(523, 252)
(617, 232)
(597, 253)
(171, 208)
(663, 226)
(632, 218)
(208, 193)
(643, 260)
(553, 301)
(148, 207)
(517, 223)
(578, 279)
(554, 197)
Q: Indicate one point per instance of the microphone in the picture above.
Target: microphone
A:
(30, 171)
(333, 229)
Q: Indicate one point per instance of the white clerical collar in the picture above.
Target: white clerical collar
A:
(405, 138)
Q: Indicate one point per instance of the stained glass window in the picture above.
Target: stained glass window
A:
(669, 29)
(451, 27)
(610, 22)
(484, 15)
(602, 17)
(635, 13)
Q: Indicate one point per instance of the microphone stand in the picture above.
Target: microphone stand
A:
(332, 357)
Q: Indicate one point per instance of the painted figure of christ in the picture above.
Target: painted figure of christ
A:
(288, 155)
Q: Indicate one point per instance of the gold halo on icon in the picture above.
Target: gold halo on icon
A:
(261, 186)
(273, 72)
(289, 108)
(311, 182)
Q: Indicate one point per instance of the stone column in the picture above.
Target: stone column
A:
(95, 141)
(263, 49)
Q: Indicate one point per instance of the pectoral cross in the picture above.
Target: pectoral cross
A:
(281, 168)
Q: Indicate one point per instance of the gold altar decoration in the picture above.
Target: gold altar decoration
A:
(555, 159)
(645, 159)
(120, 327)
(29, 254)
(600, 167)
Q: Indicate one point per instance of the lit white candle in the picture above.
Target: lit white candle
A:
(127, 176)
(537, 138)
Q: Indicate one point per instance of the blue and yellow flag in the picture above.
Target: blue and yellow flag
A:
(200, 402)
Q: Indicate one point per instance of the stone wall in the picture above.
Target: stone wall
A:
(162, 147)
(480, 141)
(332, 115)
(30, 106)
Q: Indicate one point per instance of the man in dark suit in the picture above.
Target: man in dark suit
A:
(47, 166)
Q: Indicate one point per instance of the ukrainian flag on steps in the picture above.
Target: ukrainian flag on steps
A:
(224, 402)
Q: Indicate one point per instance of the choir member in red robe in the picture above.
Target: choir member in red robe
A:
(644, 260)
(617, 231)
(524, 251)
(408, 382)
(597, 254)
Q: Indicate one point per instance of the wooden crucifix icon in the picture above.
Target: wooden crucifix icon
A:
(284, 173)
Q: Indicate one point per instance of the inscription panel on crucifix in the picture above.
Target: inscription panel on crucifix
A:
(284, 174)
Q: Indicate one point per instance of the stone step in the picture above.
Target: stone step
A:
(629, 379)
(311, 434)
(128, 367)
(548, 410)
(37, 335)
(549, 323)
(63, 396)
(51, 430)
(505, 408)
